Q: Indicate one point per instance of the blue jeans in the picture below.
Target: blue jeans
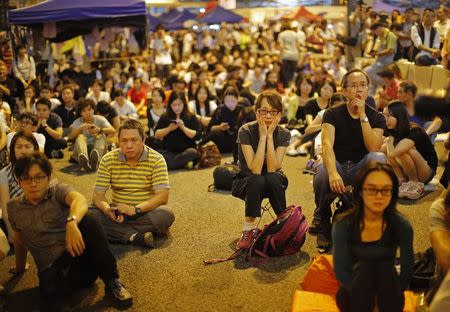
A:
(347, 170)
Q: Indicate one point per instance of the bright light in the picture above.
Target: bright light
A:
(214, 27)
(195, 27)
(202, 10)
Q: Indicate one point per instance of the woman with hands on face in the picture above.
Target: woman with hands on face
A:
(262, 145)
(179, 129)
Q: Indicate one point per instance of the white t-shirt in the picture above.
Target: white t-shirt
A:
(163, 56)
(127, 109)
(193, 108)
(290, 41)
(104, 96)
(40, 138)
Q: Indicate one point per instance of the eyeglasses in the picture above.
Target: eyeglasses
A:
(265, 112)
(358, 86)
(29, 180)
(371, 191)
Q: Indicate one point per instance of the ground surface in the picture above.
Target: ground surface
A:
(207, 225)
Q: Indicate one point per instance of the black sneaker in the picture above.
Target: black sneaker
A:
(58, 154)
(323, 242)
(119, 292)
(315, 227)
(94, 158)
(84, 162)
(144, 239)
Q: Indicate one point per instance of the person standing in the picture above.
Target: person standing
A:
(290, 43)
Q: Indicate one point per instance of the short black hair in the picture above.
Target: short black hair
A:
(28, 116)
(132, 124)
(376, 25)
(409, 86)
(44, 101)
(118, 92)
(23, 165)
(352, 71)
(83, 103)
(46, 86)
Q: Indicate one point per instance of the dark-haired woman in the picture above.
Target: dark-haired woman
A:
(179, 129)
(22, 144)
(312, 108)
(262, 145)
(222, 128)
(365, 243)
(154, 112)
(296, 106)
(202, 105)
(409, 151)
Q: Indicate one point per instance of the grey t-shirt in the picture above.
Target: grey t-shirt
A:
(43, 227)
(249, 135)
(98, 120)
(290, 41)
(437, 216)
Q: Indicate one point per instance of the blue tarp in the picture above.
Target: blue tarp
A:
(76, 10)
(219, 15)
(172, 20)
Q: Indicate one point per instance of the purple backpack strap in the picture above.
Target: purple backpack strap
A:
(232, 257)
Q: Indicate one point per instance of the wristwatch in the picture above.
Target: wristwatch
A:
(365, 119)
(71, 218)
(137, 210)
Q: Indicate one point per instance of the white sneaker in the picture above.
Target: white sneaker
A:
(291, 152)
(302, 152)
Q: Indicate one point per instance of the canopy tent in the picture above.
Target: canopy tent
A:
(77, 17)
(173, 20)
(303, 14)
(220, 15)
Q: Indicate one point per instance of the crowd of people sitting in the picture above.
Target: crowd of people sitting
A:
(141, 117)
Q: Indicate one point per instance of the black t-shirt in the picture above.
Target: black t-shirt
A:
(10, 83)
(67, 116)
(223, 114)
(110, 113)
(249, 135)
(423, 145)
(301, 113)
(176, 141)
(312, 108)
(348, 138)
(54, 122)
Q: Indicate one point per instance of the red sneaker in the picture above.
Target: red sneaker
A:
(247, 238)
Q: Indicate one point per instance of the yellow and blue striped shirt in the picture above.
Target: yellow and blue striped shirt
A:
(132, 185)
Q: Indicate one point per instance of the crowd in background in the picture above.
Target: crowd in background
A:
(190, 87)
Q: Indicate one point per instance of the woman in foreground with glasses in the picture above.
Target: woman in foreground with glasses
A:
(365, 242)
(261, 144)
(22, 144)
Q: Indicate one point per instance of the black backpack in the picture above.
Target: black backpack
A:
(223, 177)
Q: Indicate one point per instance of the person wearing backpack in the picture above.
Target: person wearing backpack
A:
(262, 145)
(365, 242)
(425, 38)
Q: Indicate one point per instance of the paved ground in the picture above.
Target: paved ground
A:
(207, 225)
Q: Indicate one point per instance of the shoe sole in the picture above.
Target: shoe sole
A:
(84, 163)
(149, 240)
(94, 158)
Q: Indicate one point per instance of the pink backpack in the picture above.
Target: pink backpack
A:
(283, 236)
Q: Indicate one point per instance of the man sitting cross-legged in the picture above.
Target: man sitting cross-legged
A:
(89, 132)
(138, 178)
(68, 245)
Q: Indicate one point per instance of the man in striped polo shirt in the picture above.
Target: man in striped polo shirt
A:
(138, 178)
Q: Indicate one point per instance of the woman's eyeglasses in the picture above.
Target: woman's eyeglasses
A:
(372, 191)
(265, 112)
